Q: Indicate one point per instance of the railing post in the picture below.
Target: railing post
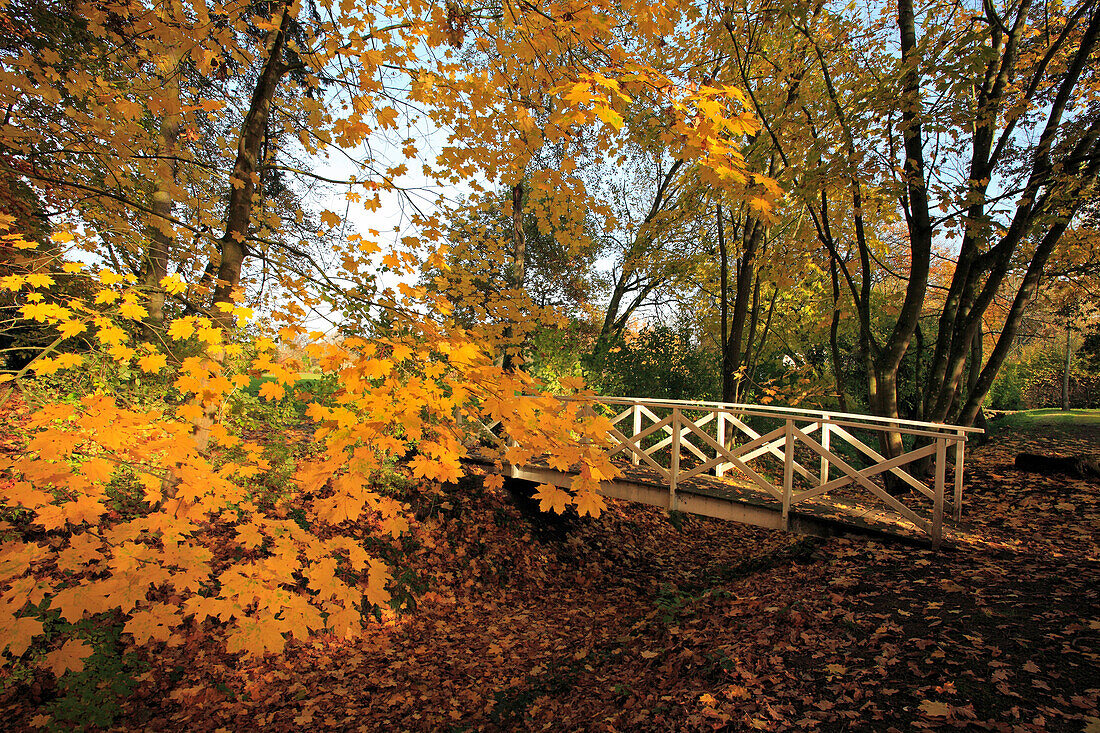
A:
(674, 463)
(960, 444)
(788, 472)
(637, 429)
(721, 417)
(826, 434)
(937, 506)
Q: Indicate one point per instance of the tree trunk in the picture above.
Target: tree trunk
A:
(1065, 373)
(519, 275)
(723, 307)
(885, 365)
(834, 347)
(1051, 191)
(155, 267)
(243, 181)
(752, 232)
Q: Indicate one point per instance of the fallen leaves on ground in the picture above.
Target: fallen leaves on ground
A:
(641, 621)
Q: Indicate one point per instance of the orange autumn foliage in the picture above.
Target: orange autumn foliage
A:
(196, 548)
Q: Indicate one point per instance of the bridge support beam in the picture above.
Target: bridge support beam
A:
(788, 472)
(674, 471)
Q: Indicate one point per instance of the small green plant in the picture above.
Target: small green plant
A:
(671, 602)
(91, 697)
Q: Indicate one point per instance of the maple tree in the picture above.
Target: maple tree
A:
(170, 190)
(160, 226)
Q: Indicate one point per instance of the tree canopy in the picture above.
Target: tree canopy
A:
(856, 205)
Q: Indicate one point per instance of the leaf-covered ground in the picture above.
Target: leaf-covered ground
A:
(641, 621)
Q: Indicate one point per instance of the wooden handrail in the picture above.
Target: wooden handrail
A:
(678, 430)
(873, 422)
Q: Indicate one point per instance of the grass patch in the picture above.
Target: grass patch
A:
(305, 380)
(1046, 417)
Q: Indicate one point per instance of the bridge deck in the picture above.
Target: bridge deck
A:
(784, 468)
(735, 499)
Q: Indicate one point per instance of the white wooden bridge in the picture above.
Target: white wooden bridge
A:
(805, 471)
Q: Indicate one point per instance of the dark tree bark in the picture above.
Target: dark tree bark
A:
(631, 287)
(1050, 198)
(834, 347)
(519, 267)
(158, 252)
(233, 244)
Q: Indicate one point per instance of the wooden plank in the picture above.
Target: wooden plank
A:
(674, 465)
(868, 472)
(718, 470)
(788, 471)
(937, 505)
(909, 427)
(637, 429)
(876, 456)
(959, 462)
(634, 446)
(866, 483)
(734, 459)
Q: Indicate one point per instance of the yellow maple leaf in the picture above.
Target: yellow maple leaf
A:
(341, 507)
(377, 578)
(212, 335)
(552, 499)
(609, 116)
(153, 624)
(41, 312)
(69, 329)
(173, 284)
(83, 509)
(935, 709)
(190, 412)
(152, 362)
(181, 328)
(272, 391)
(249, 536)
(387, 117)
(68, 361)
(574, 384)
(589, 503)
(97, 469)
(46, 366)
(106, 297)
(121, 353)
(110, 278)
(110, 334)
(132, 310)
(255, 638)
(70, 656)
(16, 634)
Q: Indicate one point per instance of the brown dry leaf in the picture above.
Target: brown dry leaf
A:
(935, 709)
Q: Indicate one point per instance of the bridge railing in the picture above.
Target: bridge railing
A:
(805, 449)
